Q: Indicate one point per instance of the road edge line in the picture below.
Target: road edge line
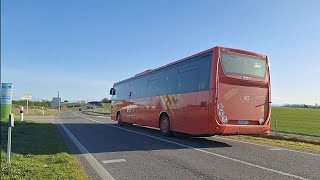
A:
(101, 171)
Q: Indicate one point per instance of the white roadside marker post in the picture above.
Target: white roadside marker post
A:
(21, 113)
(27, 106)
(10, 126)
(42, 111)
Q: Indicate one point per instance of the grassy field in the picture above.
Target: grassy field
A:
(106, 108)
(38, 152)
(300, 120)
(305, 146)
(36, 112)
(76, 106)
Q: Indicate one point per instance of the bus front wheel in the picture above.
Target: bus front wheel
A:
(165, 125)
(120, 123)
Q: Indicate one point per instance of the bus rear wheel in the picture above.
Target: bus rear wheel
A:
(165, 126)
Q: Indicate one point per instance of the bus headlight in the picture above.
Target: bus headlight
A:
(224, 118)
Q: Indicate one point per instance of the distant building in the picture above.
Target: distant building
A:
(55, 102)
(95, 104)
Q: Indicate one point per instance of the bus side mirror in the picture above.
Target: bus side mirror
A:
(112, 91)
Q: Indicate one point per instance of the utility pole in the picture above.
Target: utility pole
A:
(59, 101)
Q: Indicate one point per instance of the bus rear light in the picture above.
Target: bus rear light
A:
(261, 121)
(224, 119)
(220, 106)
(221, 113)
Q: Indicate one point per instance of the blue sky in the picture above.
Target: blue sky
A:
(82, 47)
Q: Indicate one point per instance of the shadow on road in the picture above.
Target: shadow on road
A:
(44, 138)
(99, 138)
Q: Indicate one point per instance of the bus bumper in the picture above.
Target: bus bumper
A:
(241, 129)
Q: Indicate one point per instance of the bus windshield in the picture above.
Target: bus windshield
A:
(243, 65)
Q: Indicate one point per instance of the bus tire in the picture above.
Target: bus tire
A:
(165, 125)
(127, 124)
(120, 123)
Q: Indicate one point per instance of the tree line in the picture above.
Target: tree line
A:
(316, 106)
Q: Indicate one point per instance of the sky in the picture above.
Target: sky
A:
(82, 47)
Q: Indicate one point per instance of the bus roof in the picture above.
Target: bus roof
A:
(189, 57)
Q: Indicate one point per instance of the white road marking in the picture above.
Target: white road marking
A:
(204, 151)
(101, 171)
(276, 149)
(114, 161)
(267, 146)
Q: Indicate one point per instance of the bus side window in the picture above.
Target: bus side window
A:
(153, 86)
(168, 81)
(132, 90)
(188, 79)
(204, 74)
(137, 88)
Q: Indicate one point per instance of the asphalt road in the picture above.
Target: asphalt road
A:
(108, 151)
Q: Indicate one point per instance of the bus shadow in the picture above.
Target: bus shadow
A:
(30, 138)
(100, 138)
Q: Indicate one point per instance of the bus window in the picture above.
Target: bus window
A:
(243, 65)
(188, 79)
(168, 82)
(153, 86)
(204, 76)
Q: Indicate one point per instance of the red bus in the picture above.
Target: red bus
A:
(217, 91)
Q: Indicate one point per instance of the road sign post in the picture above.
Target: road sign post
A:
(42, 111)
(27, 97)
(6, 100)
(10, 126)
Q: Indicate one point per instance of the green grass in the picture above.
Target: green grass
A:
(280, 143)
(36, 112)
(76, 106)
(105, 109)
(300, 120)
(38, 152)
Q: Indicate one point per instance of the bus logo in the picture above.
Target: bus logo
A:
(247, 98)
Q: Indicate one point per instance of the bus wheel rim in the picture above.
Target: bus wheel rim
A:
(164, 125)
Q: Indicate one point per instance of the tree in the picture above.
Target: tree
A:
(105, 100)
